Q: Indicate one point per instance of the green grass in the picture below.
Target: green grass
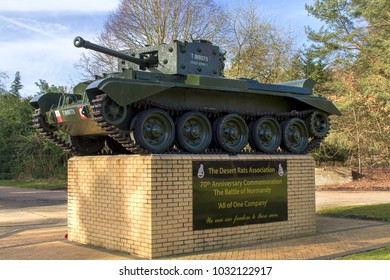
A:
(379, 254)
(378, 212)
(35, 184)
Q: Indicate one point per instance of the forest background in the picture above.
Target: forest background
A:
(348, 58)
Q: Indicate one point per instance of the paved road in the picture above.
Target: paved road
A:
(326, 199)
(11, 197)
(21, 207)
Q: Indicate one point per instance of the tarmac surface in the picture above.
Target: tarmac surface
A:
(33, 224)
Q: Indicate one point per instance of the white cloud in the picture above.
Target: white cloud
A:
(41, 50)
(58, 5)
(38, 60)
(37, 38)
(35, 26)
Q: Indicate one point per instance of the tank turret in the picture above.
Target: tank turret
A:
(197, 57)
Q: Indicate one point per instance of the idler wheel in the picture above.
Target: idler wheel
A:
(154, 130)
(112, 112)
(295, 135)
(265, 134)
(318, 124)
(231, 133)
(88, 145)
(193, 132)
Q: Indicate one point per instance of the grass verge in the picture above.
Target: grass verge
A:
(35, 184)
(378, 254)
(378, 212)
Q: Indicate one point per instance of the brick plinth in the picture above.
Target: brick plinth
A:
(142, 205)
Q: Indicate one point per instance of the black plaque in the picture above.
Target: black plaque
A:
(236, 193)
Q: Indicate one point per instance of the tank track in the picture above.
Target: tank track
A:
(126, 140)
(114, 132)
(49, 135)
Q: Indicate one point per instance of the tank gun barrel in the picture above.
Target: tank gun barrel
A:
(79, 42)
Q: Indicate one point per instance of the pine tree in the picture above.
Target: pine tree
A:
(16, 85)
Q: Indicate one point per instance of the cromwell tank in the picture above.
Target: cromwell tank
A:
(173, 98)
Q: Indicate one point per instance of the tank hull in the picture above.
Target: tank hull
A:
(210, 92)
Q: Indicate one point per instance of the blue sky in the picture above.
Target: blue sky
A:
(36, 36)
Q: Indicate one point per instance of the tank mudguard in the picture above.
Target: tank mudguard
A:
(45, 101)
(319, 103)
(124, 91)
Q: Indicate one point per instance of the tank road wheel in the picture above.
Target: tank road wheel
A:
(318, 124)
(193, 132)
(265, 134)
(154, 130)
(88, 145)
(295, 135)
(112, 112)
(231, 133)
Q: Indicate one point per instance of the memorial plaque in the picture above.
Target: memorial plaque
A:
(236, 193)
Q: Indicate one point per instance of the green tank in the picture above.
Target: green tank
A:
(173, 98)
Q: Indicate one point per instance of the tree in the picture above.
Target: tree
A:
(341, 38)
(355, 29)
(306, 64)
(22, 153)
(259, 49)
(355, 40)
(44, 87)
(15, 124)
(137, 23)
(16, 85)
(3, 78)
